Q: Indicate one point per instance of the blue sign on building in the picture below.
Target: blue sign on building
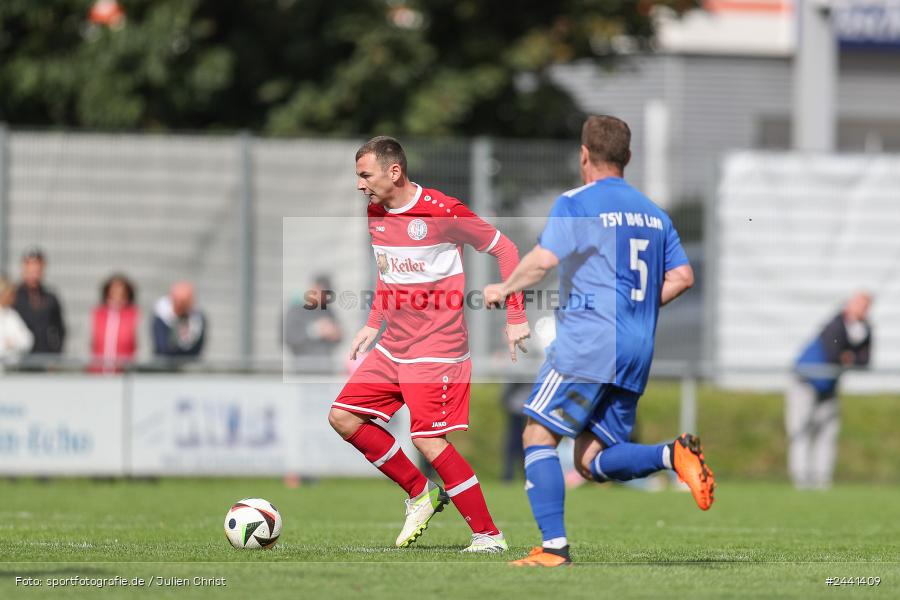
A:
(867, 24)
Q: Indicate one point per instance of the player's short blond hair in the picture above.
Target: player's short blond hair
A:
(387, 151)
(607, 139)
(5, 286)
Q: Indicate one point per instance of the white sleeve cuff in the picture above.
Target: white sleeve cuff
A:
(493, 243)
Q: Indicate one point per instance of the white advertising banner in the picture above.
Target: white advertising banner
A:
(238, 425)
(795, 235)
(320, 450)
(211, 425)
(61, 425)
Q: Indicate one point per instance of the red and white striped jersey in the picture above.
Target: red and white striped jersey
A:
(421, 284)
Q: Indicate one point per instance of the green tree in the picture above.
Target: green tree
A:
(308, 66)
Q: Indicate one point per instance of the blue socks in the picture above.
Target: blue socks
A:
(546, 487)
(546, 490)
(623, 462)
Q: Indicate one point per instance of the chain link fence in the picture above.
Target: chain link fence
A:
(210, 209)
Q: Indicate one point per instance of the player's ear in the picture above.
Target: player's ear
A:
(395, 172)
(585, 156)
(627, 159)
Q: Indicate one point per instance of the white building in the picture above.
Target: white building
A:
(722, 79)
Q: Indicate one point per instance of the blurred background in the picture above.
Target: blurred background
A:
(176, 179)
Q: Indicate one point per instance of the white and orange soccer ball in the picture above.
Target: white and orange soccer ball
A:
(253, 523)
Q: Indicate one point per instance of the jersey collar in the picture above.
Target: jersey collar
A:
(408, 205)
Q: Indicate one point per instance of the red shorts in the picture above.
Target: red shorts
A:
(437, 394)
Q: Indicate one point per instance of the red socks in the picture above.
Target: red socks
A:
(383, 451)
(463, 488)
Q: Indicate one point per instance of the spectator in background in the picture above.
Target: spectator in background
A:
(179, 329)
(311, 331)
(15, 338)
(39, 307)
(514, 396)
(114, 326)
(812, 416)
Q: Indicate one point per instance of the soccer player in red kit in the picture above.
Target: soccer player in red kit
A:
(422, 359)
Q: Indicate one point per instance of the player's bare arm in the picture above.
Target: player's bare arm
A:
(516, 333)
(530, 271)
(677, 281)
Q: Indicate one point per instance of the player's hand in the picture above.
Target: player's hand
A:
(362, 341)
(494, 296)
(515, 337)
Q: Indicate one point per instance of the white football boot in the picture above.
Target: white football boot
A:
(419, 511)
(482, 542)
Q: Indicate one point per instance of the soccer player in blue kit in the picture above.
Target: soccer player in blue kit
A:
(619, 260)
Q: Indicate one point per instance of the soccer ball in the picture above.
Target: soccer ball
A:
(253, 523)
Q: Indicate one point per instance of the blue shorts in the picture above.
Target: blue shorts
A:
(570, 407)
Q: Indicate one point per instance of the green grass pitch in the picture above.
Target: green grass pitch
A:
(758, 541)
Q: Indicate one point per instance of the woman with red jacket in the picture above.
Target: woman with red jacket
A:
(114, 326)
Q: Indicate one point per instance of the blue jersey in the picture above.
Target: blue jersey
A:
(614, 247)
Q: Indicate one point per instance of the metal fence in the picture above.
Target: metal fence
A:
(209, 209)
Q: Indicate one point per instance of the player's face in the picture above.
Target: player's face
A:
(374, 181)
(117, 295)
(858, 306)
(32, 271)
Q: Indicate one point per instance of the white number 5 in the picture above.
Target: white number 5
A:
(638, 245)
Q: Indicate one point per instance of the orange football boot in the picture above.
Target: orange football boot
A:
(692, 470)
(540, 558)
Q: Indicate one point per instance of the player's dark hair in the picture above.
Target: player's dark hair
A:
(387, 151)
(130, 292)
(607, 139)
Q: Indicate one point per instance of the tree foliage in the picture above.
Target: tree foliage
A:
(308, 66)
